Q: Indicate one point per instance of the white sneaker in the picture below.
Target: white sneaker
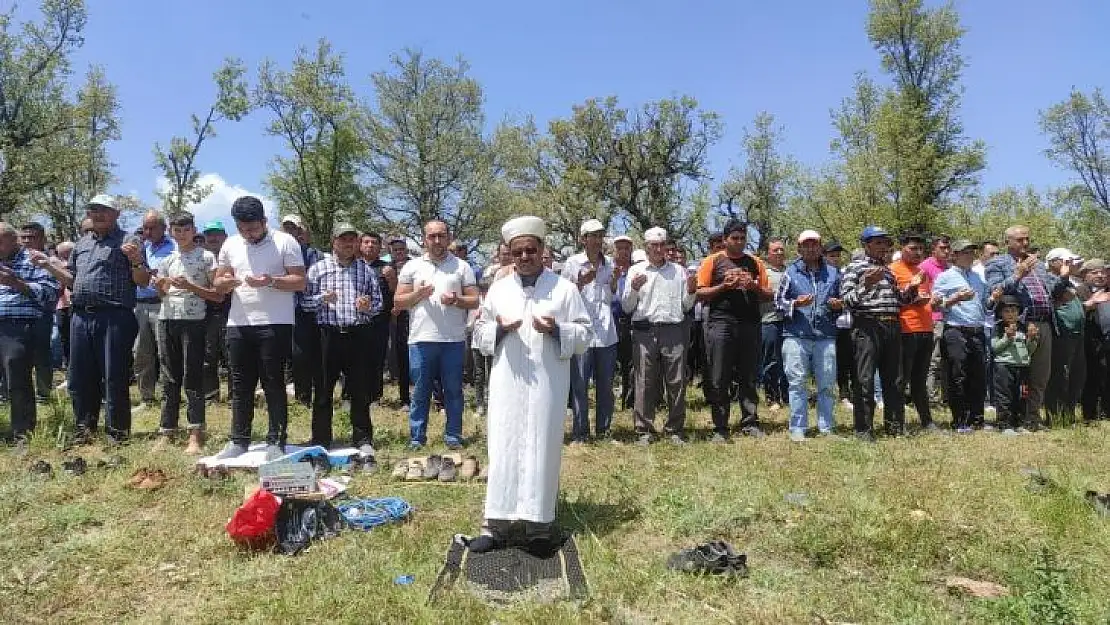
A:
(63, 385)
(290, 390)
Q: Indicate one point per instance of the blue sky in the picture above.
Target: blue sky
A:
(793, 59)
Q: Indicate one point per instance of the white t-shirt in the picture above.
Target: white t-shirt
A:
(260, 306)
(196, 265)
(430, 321)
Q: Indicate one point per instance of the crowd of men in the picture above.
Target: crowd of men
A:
(910, 319)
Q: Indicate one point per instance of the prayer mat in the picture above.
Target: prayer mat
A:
(512, 574)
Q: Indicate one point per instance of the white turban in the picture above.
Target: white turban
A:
(655, 235)
(523, 226)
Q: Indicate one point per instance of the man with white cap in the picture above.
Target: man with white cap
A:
(808, 296)
(305, 360)
(532, 323)
(594, 275)
(657, 296)
(1069, 360)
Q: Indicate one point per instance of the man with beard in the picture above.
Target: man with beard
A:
(916, 321)
(371, 250)
(532, 323)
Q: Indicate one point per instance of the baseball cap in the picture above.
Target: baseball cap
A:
(834, 246)
(809, 235)
(1094, 264)
(343, 228)
(960, 245)
(214, 226)
(293, 219)
(1061, 253)
(655, 235)
(873, 232)
(591, 225)
(104, 200)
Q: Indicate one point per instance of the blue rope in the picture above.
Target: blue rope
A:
(366, 514)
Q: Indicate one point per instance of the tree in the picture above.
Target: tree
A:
(1078, 132)
(315, 113)
(642, 165)
(426, 154)
(980, 218)
(757, 193)
(178, 163)
(925, 157)
(34, 71)
(81, 154)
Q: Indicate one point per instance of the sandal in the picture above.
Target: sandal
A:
(447, 472)
(469, 468)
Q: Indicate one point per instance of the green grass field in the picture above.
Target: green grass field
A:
(882, 528)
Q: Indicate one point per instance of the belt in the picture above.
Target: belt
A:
(885, 318)
(88, 310)
(148, 300)
(345, 329)
(647, 325)
(966, 329)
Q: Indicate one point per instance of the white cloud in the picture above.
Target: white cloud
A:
(217, 205)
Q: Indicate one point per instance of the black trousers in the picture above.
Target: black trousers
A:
(400, 345)
(1069, 375)
(215, 351)
(733, 351)
(877, 346)
(917, 351)
(1009, 398)
(63, 316)
(379, 347)
(344, 352)
(845, 364)
(306, 355)
(964, 349)
(258, 353)
(16, 348)
(1096, 390)
(182, 352)
(625, 352)
(100, 366)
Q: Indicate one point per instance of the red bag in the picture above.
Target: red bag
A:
(252, 525)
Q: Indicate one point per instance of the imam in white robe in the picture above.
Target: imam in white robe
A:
(528, 388)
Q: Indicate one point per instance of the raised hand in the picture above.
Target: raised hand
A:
(918, 279)
(509, 326)
(544, 324)
(586, 276)
(804, 300)
(1011, 330)
(450, 298)
(1032, 331)
(362, 303)
(329, 297)
(639, 281)
(132, 252)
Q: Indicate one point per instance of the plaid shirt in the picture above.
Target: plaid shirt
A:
(1036, 290)
(41, 298)
(348, 283)
(101, 273)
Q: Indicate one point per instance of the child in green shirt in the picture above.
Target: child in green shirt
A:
(1012, 349)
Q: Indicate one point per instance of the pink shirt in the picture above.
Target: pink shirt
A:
(932, 267)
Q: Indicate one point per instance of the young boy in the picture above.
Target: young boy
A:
(1012, 351)
(184, 280)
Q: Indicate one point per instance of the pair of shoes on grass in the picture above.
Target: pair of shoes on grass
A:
(713, 558)
(445, 468)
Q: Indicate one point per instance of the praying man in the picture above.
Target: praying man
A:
(532, 322)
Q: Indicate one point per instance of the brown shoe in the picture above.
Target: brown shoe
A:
(138, 477)
(196, 443)
(469, 468)
(154, 480)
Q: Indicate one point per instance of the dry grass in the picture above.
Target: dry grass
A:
(882, 527)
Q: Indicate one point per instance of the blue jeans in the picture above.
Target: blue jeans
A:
(427, 362)
(598, 364)
(771, 375)
(802, 357)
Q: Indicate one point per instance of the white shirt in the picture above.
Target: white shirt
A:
(596, 296)
(196, 265)
(265, 305)
(662, 299)
(430, 321)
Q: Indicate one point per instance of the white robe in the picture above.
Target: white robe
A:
(528, 388)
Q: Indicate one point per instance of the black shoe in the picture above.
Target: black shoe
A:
(83, 436)
(865, 437)
(75, 466)
(433, 466)
(42, 468)
(483, 543)
(714, 558)
(753, 431)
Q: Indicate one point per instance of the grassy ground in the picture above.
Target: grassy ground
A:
(882, 527)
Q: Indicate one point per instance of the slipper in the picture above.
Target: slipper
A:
(469, 468)
(415, 471)
(154, 480)
(400, 470)
(447, 472)
(137, 477)
(432, 467)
